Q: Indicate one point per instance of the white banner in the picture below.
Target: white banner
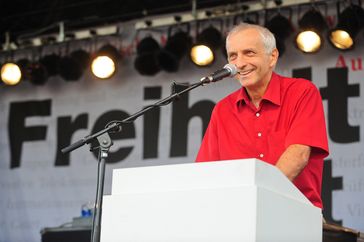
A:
(41, 188)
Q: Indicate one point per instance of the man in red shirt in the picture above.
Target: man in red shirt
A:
(276, 119)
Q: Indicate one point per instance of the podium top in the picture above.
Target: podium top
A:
(204, 175)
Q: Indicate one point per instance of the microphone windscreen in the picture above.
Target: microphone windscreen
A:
(231, 68)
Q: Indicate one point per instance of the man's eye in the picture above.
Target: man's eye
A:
(231, 57)
(250, 53)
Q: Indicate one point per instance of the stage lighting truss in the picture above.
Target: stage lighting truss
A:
(59, 33)
(350, 22)
(246, 17)
(208, 38)
(312, 24)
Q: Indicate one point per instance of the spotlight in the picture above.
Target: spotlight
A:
(309, 38)
(281, 27)
(202, 53)
(10, 73)
(37, 73)
(146, 61)
(177, 46)
(82, 57)
(71, 67)
(51, 63)
(104, 65)
(210, 37)
(351, 20)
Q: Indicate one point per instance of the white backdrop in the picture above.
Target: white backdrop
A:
(38, 194)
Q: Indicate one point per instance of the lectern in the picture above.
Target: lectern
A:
(225, 201)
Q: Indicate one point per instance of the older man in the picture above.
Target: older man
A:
(276, 119)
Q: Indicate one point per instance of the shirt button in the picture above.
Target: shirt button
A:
(261, 155)
(257, 114)
(259, 134)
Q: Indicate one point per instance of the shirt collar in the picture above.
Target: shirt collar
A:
(272, 94)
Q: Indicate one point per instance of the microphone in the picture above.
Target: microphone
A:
(227, 71)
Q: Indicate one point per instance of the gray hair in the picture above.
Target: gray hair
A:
(268, 39)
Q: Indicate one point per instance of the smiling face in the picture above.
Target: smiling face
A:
(246, 50)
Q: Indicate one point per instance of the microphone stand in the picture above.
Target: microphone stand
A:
(102, 137)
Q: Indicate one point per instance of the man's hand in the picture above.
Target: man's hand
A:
(293, 160)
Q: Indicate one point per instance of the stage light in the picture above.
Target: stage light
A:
(71, 67)
(203, 52)
(177, 46)
(103, 67)
(202, 55)
(167, 61)
(82, 57)
(105, 63)
(350, 21)
(146, 61)
(37, 73)
(51, 63)
(309, 38)
(210, 37)
(341, 39)
(309, 41)
(281, 27)
(10, 74)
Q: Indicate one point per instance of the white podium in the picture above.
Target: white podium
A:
(225, 201)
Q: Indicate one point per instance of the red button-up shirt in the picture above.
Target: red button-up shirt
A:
(290, 112)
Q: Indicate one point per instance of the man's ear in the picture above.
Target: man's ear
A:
(274, 57)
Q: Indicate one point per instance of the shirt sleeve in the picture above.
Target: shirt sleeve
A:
(209, 149)
(307, 124)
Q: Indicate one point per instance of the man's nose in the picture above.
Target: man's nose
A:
(240, 62)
